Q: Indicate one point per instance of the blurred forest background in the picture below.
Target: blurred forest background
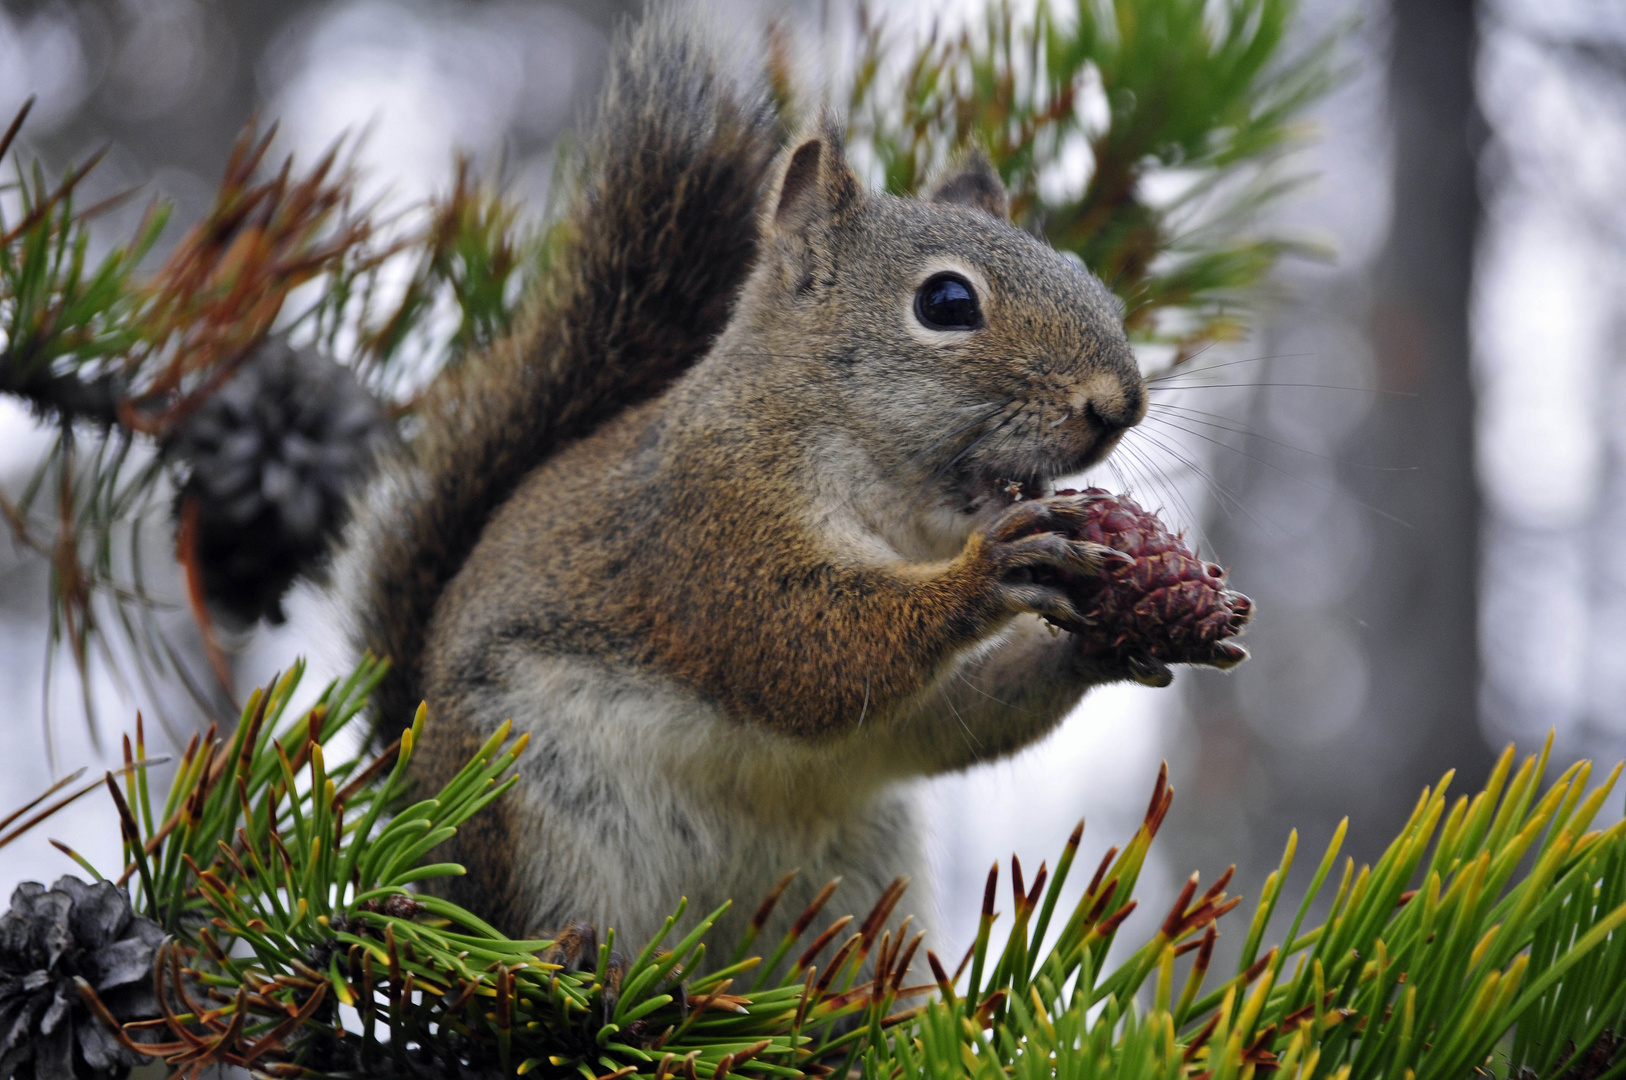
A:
(1415, 465)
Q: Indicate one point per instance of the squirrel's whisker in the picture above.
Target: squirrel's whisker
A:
(1010, 433)
(962, 429)
(931, 482)
(1220, 421)
(972, 743)
(1189, 463)
(1123, 483)
(1229, 499)
(1267, 463)
(1304, 386)
(1170, 491)
(1181, 369)
(1225, 496)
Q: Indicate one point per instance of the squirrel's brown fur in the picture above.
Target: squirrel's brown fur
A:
(658, 236)
(738, 552)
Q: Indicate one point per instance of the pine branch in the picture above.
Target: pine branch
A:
(1199, 95)
(132, 358)
(136, 359)
(63, 396)
(1489, 939)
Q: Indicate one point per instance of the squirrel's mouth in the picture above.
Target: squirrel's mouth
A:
(996, 489)
(1033, 475)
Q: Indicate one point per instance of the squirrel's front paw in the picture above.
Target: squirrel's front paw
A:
(1022, 548)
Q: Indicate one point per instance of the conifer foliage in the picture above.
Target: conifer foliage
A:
(211, 397)
(1143, 136)
(274, 908)
(1489, 939)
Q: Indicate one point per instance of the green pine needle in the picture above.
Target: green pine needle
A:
(1489, 939)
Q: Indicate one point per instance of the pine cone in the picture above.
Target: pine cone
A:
(275, 455)
(1167, 606)
(46, 939)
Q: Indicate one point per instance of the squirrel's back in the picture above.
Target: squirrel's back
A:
(659, 233)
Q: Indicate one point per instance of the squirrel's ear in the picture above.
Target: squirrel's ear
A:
(815, 183)
(974, 182)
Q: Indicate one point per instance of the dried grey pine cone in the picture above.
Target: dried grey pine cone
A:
(274, 454)
(47, 938)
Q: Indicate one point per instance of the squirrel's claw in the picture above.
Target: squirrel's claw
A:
(1014, 550)
(1149, 672)
(1227, 654)
(575, 948)
(1054, 549)
(1050, 603)
(1020, 519)
(1108, 554)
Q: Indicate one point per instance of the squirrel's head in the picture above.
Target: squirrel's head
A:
(971, 358)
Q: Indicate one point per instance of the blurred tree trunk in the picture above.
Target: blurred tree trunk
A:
(1405, 605)
(1421, 598)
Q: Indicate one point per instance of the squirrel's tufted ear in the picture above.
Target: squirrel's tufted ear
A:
(814, 182)
(974, 182)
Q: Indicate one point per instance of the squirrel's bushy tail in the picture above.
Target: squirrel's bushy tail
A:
(658, 236)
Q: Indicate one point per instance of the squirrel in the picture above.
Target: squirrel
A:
(726, 524)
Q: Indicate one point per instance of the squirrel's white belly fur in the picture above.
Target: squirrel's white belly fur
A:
(635, 785)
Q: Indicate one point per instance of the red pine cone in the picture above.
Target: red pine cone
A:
(1167, 605)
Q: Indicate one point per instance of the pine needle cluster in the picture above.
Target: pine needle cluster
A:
(1489, 939)
(1147, 137)
(295, 886)
(1144, 136)
(118, 358)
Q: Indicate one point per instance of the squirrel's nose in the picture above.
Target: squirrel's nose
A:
(1108, 425)
(1114, 413)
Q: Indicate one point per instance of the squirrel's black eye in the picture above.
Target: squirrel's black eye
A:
(947, 302)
